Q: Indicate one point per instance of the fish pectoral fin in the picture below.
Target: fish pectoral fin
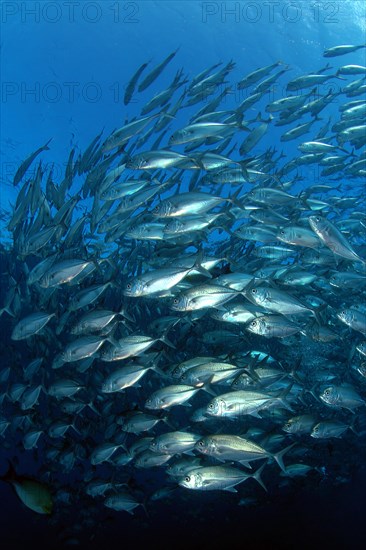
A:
(245, 463)
(255, 414)
(230, 489)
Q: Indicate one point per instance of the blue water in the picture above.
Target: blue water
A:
(65, 67)
(64, 70)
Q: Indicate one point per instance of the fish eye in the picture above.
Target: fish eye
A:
(282, 232)
(128, 286)
(187, 479)
(200, 443)
(175, 301)
(327, 392)
(211, 406)
(254, 291)
(317, 218)
(253, 324)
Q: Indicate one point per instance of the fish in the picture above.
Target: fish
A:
(242, 402)
(31, 325)
(343, 397)
(328, 428)
(154, 74)
(209, 373)
(276, 301)
(125, 377)
(122, 501)
(19, 174)
(63, 272)
(204, 130)
(299, 236)
(165, 96)
(272, 326)
(187, 203)
(352, 69)
(94, 321)
(34, 495)
(335, 51)
(137, 422)
(121, 272)
(158, 280)
(78, 349)
(333, 238)
(160, 158)
(168, 396)
(64, 388)
(256, 75)
(309, 81)
(130, 88)
(232, 447)
(301, 424)
(121, 136)
(212, 478)
(129, 346)
(202, 296)
(172, 443)
(353, 318)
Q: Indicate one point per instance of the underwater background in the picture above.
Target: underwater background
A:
(64, 70)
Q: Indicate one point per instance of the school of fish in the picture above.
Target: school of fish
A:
(187, 302)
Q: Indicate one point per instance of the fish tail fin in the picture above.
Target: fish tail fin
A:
(92, 408)
(234, 198)
(351, 354)
(45, 146)
(199, 267)
(76, 429)
(242, 126)
(316, 311)
(7, 310)
(143, 504)
(353, 428)
(258, 478)
(207, 387)
(282, 397)
(166, 341)
(279, 456)
(294, 372)
(111, 339)
(126, 315)
(168, 422)
(158, 370)
(165, 114)
(10, 473)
